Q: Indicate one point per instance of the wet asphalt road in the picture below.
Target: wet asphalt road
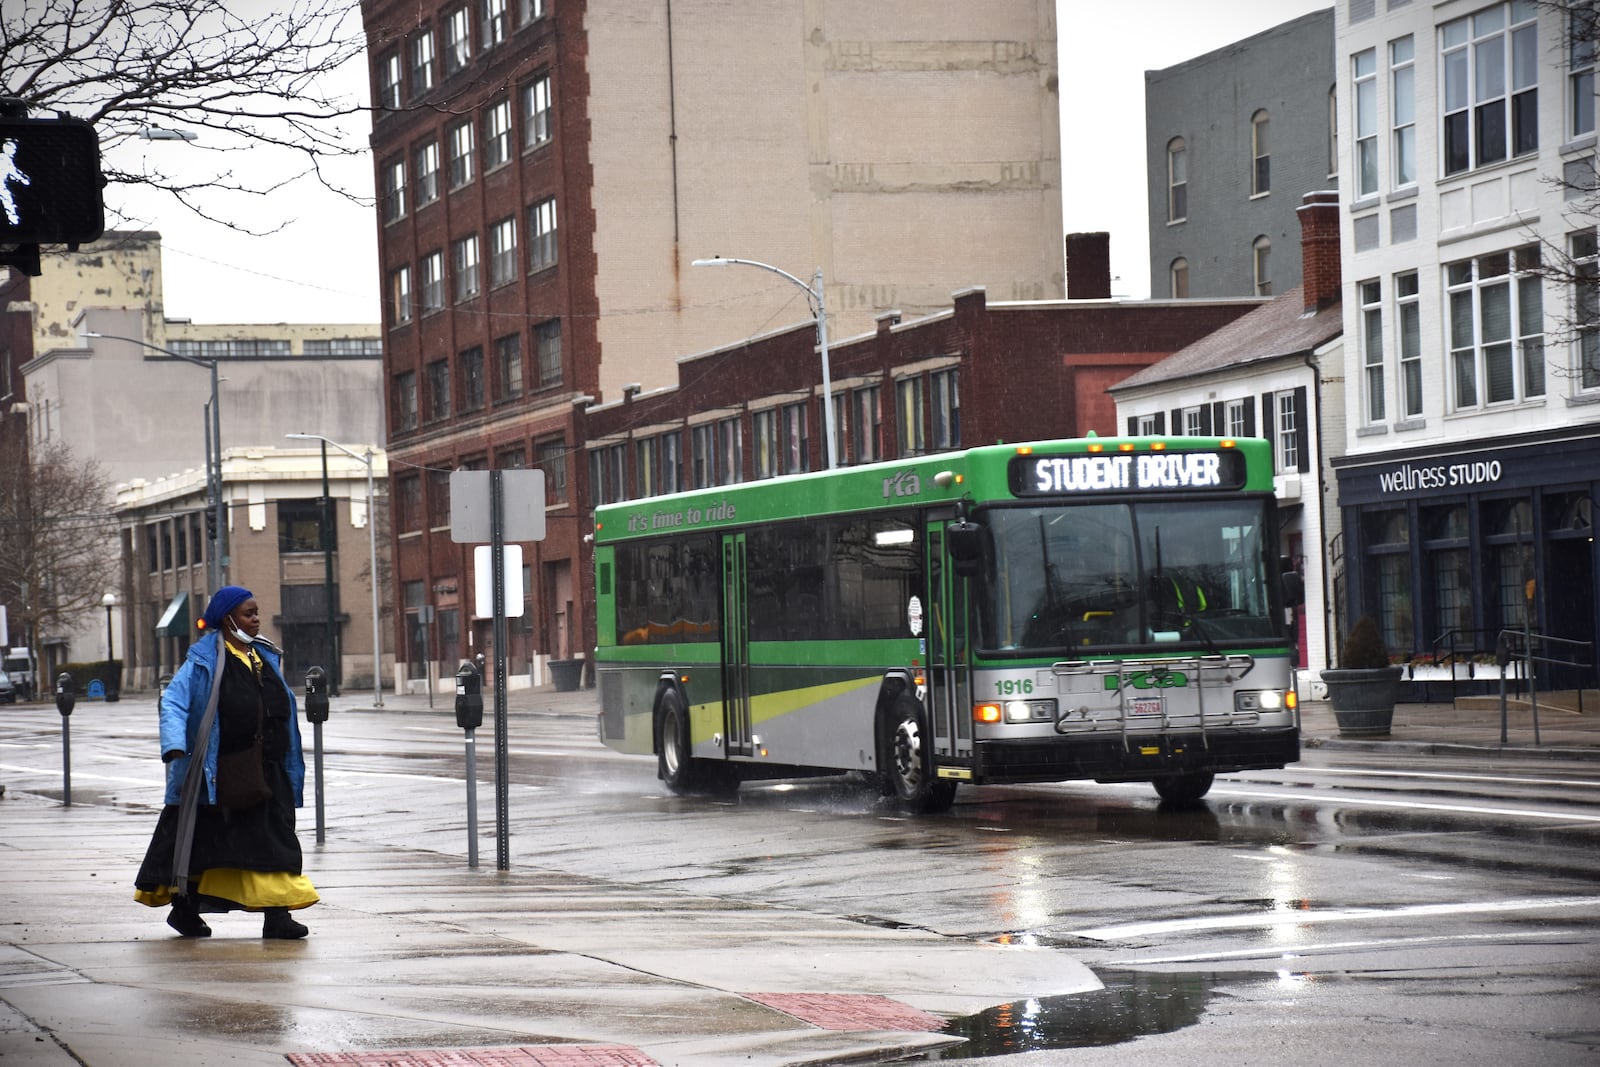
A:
(1355, 908)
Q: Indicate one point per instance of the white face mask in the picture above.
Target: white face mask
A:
(239, 635)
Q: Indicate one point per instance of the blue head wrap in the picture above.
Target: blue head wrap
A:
(223, 601)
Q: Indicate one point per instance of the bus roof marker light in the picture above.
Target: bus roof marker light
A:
(1228, 442)
(1097, 447)
(1024, 450)
(1126, 446)
(1158, 446)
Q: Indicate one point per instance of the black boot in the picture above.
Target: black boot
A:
(185, 918)
(278, 925)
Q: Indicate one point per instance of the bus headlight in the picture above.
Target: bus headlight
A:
(1259, 700)
(1028, 710)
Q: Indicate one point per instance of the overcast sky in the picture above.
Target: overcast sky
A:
(322, 265)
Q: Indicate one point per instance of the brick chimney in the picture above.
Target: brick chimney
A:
(1088, 266)
(1319, 249)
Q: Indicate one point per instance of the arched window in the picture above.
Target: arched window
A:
(1177, 180)
(1261, 172)
(1262, 256)
(1179, 274)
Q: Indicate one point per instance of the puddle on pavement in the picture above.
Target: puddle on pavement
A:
(1132, 1004)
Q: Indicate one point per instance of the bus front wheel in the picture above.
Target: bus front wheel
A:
(910, 769)
(1183, 788)
(673, 763)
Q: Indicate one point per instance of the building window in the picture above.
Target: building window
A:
(794, 444)
(1235, 423)
(550, 456)
(910, 429)
(508, 366)
(536, 112)
(400, 296)
(421, 63)
(1261, 256)
(764, 442)
(1194, 422)
(405, 400)
(1582, 22)
(702, 456)
(389, 81)
(1179, 274)
(607, 471)
(503, 252)
(528, 10)
(1261, 173)
(493, 23)
(394, 190)
(438, 498)
(1177, 180)
(1403, 111)
(542, 235)
(1496, 328)
(548, 337)
(438, 390)
(1288, 430)
(869, 424)
(511, 459)
(464, 258)
(299, 526)
(1585, 254)
(730, 452)
(672, 462)
(408, 502)
(1408, 311)
(841, 429)
(428, 173)
(460, 154)
(1147, 425)
(946, 409)
(1491, 85)
(457, 41)
(1372, 387)
(1365, 71)
(471, 370)
(497, 135)
(1333, 131)
(647, 466)
(432, 282)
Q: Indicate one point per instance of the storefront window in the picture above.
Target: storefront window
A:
(1449, 578)
(1389, 543)
(1510, 537)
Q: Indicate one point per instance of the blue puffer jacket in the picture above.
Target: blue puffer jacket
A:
(183, 705)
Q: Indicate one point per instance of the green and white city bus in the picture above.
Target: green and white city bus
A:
(1105, 608)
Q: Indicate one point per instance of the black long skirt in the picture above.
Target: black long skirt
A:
(259, 839)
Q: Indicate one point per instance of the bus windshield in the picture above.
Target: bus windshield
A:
(1123, 576)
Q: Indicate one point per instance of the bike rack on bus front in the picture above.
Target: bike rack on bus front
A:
(1122, 669)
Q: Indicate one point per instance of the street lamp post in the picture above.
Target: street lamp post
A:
(216, 570)
(819, 306)
(110, 601)
(372, 550)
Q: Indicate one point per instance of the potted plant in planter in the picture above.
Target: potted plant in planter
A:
(1364, 687)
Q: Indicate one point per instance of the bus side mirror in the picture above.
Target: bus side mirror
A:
(964, 541)
(1292, 584)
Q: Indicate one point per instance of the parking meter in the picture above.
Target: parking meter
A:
(316, 695)
(64, 701)
(469, 697)
(65, 698)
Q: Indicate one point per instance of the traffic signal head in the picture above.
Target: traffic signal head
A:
(50, 182)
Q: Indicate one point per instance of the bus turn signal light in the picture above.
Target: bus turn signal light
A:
(986, 713)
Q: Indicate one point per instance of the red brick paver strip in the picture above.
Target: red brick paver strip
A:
(848, 1011)
(509, 1056)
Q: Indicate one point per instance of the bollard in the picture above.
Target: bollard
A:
(469, 716)
(317, 714)
(64, 702)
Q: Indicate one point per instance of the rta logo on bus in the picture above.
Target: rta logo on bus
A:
(903, 483)
(1156, 679)
(50, 181)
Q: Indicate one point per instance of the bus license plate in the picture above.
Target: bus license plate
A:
(1143, 706)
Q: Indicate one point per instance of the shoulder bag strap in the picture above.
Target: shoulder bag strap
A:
(189, 801)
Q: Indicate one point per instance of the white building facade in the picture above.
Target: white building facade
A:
(1472, 384)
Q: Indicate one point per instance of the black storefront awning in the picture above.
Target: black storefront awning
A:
(174, 621)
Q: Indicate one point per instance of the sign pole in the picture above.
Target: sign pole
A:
(502, 786)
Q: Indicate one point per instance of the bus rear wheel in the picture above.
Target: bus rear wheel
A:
(909, 769)
(1184, 788)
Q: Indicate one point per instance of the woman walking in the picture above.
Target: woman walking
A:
(226, 840)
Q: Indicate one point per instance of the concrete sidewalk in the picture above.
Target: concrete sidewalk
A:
(412, 950)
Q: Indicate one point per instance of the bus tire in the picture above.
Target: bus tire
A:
(1181, 789)
(674, 765)
(910, 770)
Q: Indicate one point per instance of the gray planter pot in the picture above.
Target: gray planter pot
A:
(1363, 700)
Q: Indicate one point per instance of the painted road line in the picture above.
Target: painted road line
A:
(1342, 801)
(1307, 918)
(1301, 951)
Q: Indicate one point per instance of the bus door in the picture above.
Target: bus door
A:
(735, 649)
(945, 640)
